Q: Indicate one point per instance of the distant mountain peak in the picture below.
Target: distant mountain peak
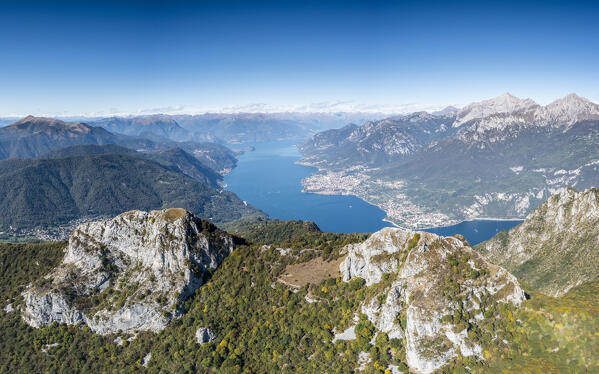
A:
(446, 111)
(507, 96)
(37, 124)
(568, 110)
(572, 98)
(573, 95)
(505, 103)
(34, 119)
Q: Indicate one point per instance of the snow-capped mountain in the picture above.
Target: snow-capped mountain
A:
(506, 103)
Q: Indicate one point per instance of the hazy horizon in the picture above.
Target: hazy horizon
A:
(310, 109)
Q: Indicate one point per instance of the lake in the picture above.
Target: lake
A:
(476, 231)
(269, 179)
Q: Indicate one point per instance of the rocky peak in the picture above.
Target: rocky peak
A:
(506, 103)
(568, 110)
(556, 247)
(430, 291)
(128, 273)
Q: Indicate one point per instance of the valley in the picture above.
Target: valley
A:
(273, 178)
(269, 178)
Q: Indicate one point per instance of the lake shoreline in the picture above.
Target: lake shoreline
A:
(271, 178)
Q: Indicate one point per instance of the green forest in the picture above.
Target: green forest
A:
(263, 326)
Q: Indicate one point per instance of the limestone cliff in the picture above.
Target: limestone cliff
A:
(556, 247)
(429, 291)
(128, 273)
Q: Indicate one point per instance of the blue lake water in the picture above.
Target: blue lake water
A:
(269, 179)
(475, 231)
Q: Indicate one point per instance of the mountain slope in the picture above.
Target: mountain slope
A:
(89, 150)
(181, 161)
(375, 143)
(33, 137)
(159, 125)
(175, 159)
(500, 165)
(261, 325)
(432, 291)
(556, 247)
(506, 174)
(50, 192)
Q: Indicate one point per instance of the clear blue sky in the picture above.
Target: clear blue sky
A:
(86, 56)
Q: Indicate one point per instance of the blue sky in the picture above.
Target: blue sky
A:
(126, 57)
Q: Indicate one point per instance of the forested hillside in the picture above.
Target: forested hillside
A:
(50, 192)
(262, 325)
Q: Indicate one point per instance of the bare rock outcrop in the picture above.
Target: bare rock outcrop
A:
(430, 291)
(129, 273)
(556, 248)
(204, 335)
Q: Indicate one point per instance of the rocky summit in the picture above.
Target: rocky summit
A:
(129, 273)
(557, 247)
(432, 292)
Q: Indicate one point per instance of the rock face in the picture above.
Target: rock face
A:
(505, 103)
(556, 247)
(430, 289)
(204, 335)
(128, 273)
(376, 142)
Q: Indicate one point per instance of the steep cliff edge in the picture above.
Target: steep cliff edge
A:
(128, 273)
(556, 247)
(434, 293)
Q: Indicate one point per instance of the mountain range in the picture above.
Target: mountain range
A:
(160, 288)
(167, 291)
(56, 174)
(495, 158)
(46, 193)
(158, 125)
(260, 127)
(33, 137)
(230, 128)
